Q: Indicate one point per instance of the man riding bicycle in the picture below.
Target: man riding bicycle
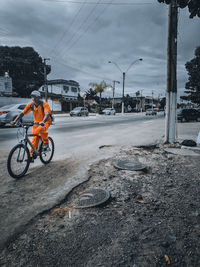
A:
(42, 119)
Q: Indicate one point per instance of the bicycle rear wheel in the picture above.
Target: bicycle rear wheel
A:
(18, 161)
(47, 155)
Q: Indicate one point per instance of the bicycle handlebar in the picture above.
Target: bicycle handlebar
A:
(26, 124)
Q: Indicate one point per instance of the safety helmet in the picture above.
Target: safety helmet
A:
(35, 93)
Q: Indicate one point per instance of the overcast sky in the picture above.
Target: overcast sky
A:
(81, 36)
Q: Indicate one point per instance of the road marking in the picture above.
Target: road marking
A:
(124, 124)
(148, 122)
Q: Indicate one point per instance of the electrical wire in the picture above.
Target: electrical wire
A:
(70, 46)
(81, 26)
(91, 24)
(80, 70)
(68, 28)
(94, 3)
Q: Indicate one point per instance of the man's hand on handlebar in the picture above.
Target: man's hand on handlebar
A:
(12, 123)
(41, 123)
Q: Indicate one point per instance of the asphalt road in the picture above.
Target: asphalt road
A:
(65, 124)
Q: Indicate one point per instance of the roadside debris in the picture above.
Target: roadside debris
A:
(105, 146)
(167, 259)
(151, 218)
(188, 142)
(59, 212)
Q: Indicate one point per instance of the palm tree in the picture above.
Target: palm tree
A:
(99, 88)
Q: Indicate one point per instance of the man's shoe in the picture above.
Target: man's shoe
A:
(31, 160)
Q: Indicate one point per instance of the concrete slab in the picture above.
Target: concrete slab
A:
(182, 152)
(195, 149)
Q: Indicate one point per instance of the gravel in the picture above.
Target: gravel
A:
(151, 219)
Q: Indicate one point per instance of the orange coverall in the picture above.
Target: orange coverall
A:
(38, 117)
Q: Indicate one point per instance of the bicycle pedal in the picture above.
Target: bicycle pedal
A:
(31, 160)
(34, 156)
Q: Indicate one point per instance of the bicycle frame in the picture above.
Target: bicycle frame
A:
(27, 140)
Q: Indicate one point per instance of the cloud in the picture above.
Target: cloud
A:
(80, 39)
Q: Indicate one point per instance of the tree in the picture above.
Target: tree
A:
(25, 67)
(193, 85)
(163, 103)
(137, 93)
(91, 95)
(193, 6)
(99, 88)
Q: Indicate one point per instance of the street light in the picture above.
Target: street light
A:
(124, 74)
(114, 92)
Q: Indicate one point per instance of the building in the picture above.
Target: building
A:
(149, 102)
(67, 89)
(62, 92)
(6, 85)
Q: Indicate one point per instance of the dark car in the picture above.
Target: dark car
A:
(188, 114)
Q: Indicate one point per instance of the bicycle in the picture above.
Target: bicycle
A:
(19, 157)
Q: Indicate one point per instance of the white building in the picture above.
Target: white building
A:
(6, 85)
(63, 88)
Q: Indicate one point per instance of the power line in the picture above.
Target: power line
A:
(67, 30)
(95, 20)
(83, 23)
(80, 70)
(94, 3)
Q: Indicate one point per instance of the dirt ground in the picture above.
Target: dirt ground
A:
(151, 219)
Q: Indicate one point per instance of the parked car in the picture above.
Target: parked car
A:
(109, 111)
(10, 112)
(151, 112)
(79, 111)
(188, 114)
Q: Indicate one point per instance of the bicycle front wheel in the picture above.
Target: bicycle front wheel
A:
(18, 161)
(46, 155)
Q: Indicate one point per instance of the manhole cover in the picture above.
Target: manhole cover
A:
(129, 165)
(92, 197)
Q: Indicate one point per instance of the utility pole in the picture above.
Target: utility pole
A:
(45, 78)
(171, 90)
(113, 102)
(141, 100)
(152, 100)
(123, 93)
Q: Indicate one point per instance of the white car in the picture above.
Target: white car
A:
(10, 112)
(151, 112)
(109, 111)
(79, 111)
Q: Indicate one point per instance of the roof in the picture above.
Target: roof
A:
(62, 81)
